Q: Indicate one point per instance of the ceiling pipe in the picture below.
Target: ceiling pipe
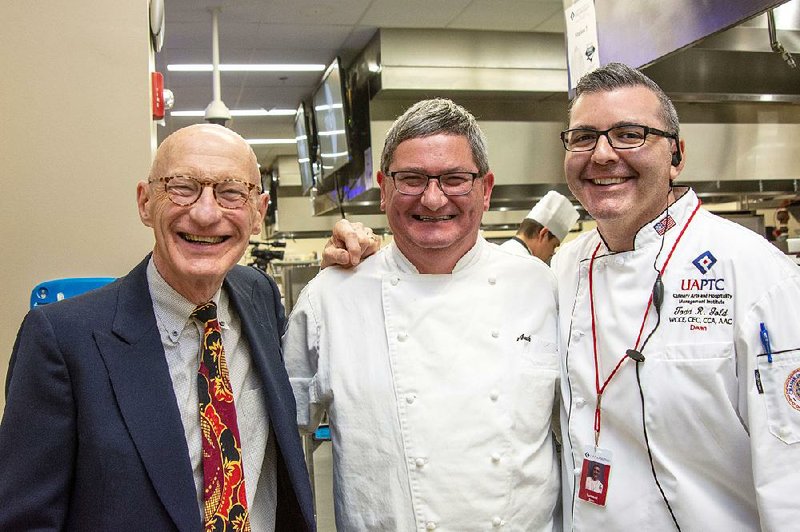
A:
(216, 112)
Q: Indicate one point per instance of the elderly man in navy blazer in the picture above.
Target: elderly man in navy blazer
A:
(133, 408)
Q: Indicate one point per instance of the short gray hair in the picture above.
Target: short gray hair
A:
(617, 75)
(432, 117)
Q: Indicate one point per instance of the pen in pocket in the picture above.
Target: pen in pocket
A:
(765, 342)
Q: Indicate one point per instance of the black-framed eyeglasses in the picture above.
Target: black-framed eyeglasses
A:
(451, 184)
(619, 137)
(184, 190)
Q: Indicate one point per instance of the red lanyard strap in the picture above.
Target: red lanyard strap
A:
(598, 388)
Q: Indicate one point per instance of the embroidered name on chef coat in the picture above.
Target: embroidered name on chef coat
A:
(702, 302)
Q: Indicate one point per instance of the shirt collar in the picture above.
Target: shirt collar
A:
(172, 310)
(670, 220)
(469, 258)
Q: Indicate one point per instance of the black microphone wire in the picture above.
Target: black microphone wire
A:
(657, 300)
(650, 454)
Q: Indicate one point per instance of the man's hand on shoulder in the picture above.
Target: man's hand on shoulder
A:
(349, 244)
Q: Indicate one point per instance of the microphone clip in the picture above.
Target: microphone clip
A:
(635, 355)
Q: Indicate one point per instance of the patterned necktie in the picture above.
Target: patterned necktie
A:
(224, 500)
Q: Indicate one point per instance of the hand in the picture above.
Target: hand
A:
(350, 243)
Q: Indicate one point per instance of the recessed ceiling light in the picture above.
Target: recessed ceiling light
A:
(246, 68)
(270, 141)
(241, 112)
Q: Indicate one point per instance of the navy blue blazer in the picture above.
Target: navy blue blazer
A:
(92, 437)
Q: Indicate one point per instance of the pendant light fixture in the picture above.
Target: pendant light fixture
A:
(216, 112)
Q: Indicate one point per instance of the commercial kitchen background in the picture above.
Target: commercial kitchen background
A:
(77, 132)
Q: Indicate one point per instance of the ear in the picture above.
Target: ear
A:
(544, 234)
(675, 171)
(382, 184)
(488, 184)
(261, 210)
(143, 203)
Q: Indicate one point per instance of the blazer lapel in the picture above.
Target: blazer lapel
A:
(264, 341)
(142, 385)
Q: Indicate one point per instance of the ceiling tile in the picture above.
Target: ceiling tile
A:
(506, 15)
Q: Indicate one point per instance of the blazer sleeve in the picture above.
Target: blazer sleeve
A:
(36, 466)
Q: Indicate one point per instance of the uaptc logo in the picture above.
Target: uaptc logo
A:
(704, 262)
(702, 285)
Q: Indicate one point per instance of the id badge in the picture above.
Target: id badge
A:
(595, 474)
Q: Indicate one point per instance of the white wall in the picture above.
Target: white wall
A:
(75, 137)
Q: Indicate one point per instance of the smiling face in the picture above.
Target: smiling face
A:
(621, 189)
(196, 245)
(433, 230)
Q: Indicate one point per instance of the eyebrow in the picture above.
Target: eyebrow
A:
(206, 176)
(615, 124)
(449, 170)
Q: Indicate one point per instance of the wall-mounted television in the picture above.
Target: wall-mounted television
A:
(329, 116)
(302, 133)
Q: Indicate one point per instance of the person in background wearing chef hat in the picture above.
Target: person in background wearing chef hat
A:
(437, 372)
(544, 228)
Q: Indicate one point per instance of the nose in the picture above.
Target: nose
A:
(205, 211)
(433, 198)
(603, 152)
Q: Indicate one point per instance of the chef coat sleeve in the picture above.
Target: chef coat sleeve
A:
(302, 356)
(771, 392)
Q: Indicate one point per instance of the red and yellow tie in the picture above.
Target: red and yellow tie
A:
(224, 500)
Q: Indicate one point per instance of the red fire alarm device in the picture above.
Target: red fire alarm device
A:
(157, 86)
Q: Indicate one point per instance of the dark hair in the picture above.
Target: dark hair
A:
(433, 117)
(617, 75)
(530, 228)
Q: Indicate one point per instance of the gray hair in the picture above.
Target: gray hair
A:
(432, 117)
(617, 75)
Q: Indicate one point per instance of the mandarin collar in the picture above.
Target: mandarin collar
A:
(472, 256)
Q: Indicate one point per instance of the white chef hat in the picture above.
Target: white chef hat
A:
(556, 213)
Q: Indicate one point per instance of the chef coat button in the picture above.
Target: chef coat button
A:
(497, 522)
(495, 457)
(410, 397)
(394, 281)
(577, 335)
(492, 280)
(402, 336)
(494, 395)
(576, 471)
(430, 525)
(495, 333)
(580, 402)
(619, 260)
(419, 462)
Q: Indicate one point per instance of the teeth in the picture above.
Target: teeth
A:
(202, 239)
(435, 218)
(608, 180)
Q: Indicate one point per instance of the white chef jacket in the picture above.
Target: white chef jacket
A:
(439, 390)
(725, 448)
(516, 247)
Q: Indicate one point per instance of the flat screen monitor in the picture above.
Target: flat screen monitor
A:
(329, 116)
(303, 137)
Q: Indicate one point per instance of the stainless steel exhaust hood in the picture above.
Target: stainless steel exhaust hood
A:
(739, 105)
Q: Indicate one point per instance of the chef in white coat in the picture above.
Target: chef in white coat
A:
(679, 335)
(437, 372)
(544, 228)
